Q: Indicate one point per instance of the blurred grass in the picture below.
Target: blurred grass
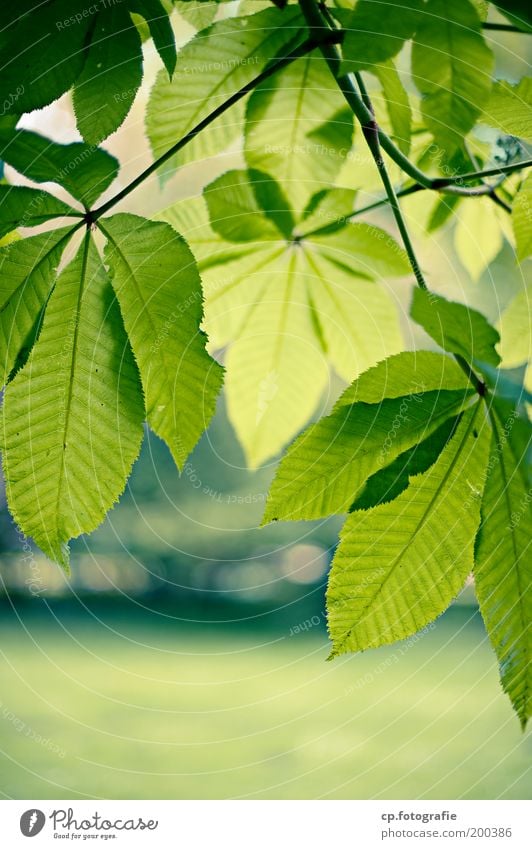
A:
(135, 705)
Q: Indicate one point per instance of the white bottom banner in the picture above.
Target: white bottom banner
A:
(267, 824)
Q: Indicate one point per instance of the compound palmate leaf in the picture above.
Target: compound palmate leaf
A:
(21, 206)
(111, 75)
(72, 417)
(159, 291)
(399, 565)
(503, 573)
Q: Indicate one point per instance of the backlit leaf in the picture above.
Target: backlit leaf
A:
(72, 417)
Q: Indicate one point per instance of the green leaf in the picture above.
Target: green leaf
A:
(478, 236)
(503, 576)
(397, 103)
(451, 66)
(111, 76)
(509, 108)
(298, 129)
(455, 327)
(72, 417)
(507, 384)
(375, 31)
(522, 219)
(157, 18)
(21, 206)
(391, 481)
(515, 327)
(325, 469)
(41, 51)
(328, 208)
(234, 210)
(27, 274)
(159, 291)
(81, 169)
(211, 67)
(399, 565)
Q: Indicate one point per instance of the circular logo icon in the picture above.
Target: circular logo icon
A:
(32, 822)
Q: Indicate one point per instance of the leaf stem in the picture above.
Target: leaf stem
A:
(330, 37)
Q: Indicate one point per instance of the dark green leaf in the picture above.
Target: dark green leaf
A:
(452, 66)
(72, 417)
(391, 481)
(517, 11)
(81, 169)
(234, 209)
(156, 16)
(41, 51)
(327, 208)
